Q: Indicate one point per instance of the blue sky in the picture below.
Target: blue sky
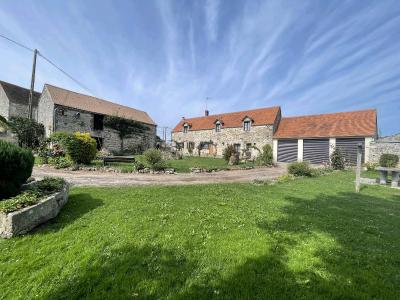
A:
(167, 57)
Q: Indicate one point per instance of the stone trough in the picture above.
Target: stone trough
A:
(23, 220)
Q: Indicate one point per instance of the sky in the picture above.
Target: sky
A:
(175, 58)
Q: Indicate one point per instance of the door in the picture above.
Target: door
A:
(348, 147)
(287, 150)
(316, 151)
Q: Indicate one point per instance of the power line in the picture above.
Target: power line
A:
(17, 43)
(66, 74)
(50, 62)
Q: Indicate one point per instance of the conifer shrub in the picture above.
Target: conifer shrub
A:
(16, 165)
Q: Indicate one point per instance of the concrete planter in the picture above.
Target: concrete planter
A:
(23, 220)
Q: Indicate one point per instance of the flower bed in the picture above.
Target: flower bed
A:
(37, 203)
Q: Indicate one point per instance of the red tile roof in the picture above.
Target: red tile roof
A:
(343, 124)
(68, 98)
(261, 116)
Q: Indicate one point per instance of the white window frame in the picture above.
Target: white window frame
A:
(245, 123)
(218, 127)
(185, 128)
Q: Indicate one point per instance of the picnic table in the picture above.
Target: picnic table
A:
(384, 174)
(124, 159)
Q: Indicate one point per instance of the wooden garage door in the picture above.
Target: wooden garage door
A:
(348, 147)
(287, 150)
(316, 151)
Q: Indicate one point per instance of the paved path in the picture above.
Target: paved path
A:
(96, 178)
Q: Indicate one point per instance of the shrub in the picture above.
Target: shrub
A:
(388, 160)
(43, 151)
(154, 158)
(228, 151)
(137, 165)
(234, 159)
(266, 156)
(60, 162)
(28, 131)
(15, 168)
(61, 138)
(300, 169)
(285, 178)
(81, 148)
(337, 160)
(370, 166)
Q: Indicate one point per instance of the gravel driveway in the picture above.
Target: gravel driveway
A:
(97, 178)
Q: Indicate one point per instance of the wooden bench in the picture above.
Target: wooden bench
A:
(123, 159)
(384, 174)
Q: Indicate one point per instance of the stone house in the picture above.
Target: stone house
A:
(63, 110)
(212, 133)
(14, 101)
(384, 145)
(304, 138)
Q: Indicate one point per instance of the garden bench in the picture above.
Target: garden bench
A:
(123, 159)
(384, 173)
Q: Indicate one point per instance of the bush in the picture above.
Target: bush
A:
(137, 165)
(28, 131)
(61, 138)
(228, 151)
(370, 166)
(337, 160)
(388, 160)
(60, 162)
(81, 148)
(266, 157)
(154, 158)
(300, 169)
(15, 168)
(285, 178)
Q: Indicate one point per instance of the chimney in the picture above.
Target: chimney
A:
(206, 113)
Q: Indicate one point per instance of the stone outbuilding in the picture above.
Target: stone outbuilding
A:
(14, 101)
(63, 110)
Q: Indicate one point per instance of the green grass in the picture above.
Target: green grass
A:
(308, 238)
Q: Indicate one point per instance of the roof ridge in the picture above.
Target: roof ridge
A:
(330, 114)
(94, 97)
(234, 112)
(18, 86)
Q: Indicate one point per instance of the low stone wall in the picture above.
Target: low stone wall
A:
(24, 220)
(378, 148)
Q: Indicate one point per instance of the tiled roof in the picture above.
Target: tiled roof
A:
(92, 104)
(343, 124)
(19, 94)
(261, 116)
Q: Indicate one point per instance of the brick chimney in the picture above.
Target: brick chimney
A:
(206, 113)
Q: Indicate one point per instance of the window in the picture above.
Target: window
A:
(98, 121)
(99, 142)
(248, 146)
(190, 145)
(185, 128)
(179, 146)
(246, 125)
(217, 127)
(237, 148)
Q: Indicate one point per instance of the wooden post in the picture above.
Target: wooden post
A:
(32, 84)
(358, 168)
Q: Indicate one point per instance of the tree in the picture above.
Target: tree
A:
(337, 160)
(28, 131)
(125, 127)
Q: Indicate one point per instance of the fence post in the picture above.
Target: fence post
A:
(358, 168)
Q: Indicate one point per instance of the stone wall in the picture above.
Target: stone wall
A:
(72, 120)
(21, 110)
(46, 112)
(257, 136)
(377, 148)
(4, 104)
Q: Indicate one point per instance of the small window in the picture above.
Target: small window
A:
(218, 127)
(248, 146)
(179, 146)
(98, 122)
(185, 128)
(237, 148)
(99, 142)
(246, 125)
(190, 145)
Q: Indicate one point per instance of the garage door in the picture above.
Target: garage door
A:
(287, 150)
(348, 147)
(316, 151)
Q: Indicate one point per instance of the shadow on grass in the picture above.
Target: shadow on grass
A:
(77, 206)
(148, 272)
(351, 239)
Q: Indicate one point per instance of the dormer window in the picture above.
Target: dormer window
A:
(246, 125)
(218, 127)
(185, 128)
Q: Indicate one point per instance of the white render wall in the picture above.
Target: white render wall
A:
(258, 136)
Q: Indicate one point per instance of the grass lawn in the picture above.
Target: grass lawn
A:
(308, 238)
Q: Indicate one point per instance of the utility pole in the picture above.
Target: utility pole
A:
(32, 84)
